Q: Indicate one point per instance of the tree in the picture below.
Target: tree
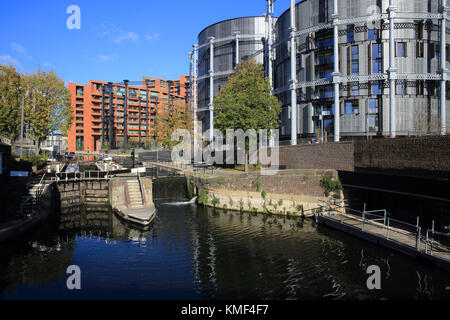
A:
(48, 108)
(177, 116)
(245, 102)
(11, 95)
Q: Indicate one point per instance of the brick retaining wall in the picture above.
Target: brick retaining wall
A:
(338, 156)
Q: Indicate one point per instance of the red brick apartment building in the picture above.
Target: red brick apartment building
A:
(91, 103)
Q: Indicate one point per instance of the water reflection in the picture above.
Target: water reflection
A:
(193, 252)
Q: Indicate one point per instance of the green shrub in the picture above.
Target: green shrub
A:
(257, 184)
(263, 195)
(221, 181)
(330, 185)
(203, 199)
(215, 202)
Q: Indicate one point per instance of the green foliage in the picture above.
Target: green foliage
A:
(225, 207)
(299, 208)
(12, 93)
(330, 185)
(203, 198)
(280, 202)
(48, 105)
(231, 202)
(257, 183)
(305, 178)
(264, 195)
(221, 181)
(245, 102)
(241, 204)
(215, 202)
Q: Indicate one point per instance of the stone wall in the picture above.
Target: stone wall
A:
(295, 182)
(284, 193)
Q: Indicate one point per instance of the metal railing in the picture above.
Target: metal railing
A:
(379, 223)
(141, 187)
(31, 202)
(80, 176)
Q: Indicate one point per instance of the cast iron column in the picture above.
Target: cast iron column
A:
(293, 29)
(336, 74)
(125, 116)
(392, 70)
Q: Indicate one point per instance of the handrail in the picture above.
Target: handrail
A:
(141, 187)
(424, 244)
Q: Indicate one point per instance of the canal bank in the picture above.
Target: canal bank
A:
(289, 192)
(292, 192)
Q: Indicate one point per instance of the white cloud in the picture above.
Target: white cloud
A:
(129, 36)
(117, 35)
(7, 60)
(21, 50)
(153, 36)
(107, 58)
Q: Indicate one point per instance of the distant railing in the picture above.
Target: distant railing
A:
(391, 229)
(78, 176)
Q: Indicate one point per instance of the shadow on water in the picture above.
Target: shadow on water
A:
(193, 252)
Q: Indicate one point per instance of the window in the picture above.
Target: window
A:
(80, 91)
(401, 88)
(154, 95)
(299, 65)
(80, 119)
(373, 34)
(120, 91)
(419, 30)
(400, 49)
(377, 87)
(80, 143)
(132, 92)
(80, 100)
(355, 60)
(351, 33)
(323, 10)
(79, 113)
(375, 58)
(372, 116)
(352, 107)
(419, 49)
(419, 87)
(355, 89)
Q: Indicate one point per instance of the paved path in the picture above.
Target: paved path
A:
(398, 235)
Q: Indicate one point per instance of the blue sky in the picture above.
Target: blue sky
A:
(118, 39)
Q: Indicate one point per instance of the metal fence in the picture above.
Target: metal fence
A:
(379, 223)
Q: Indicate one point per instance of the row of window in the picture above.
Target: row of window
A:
(375, 88)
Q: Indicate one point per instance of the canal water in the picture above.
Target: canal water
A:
(193, 252)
